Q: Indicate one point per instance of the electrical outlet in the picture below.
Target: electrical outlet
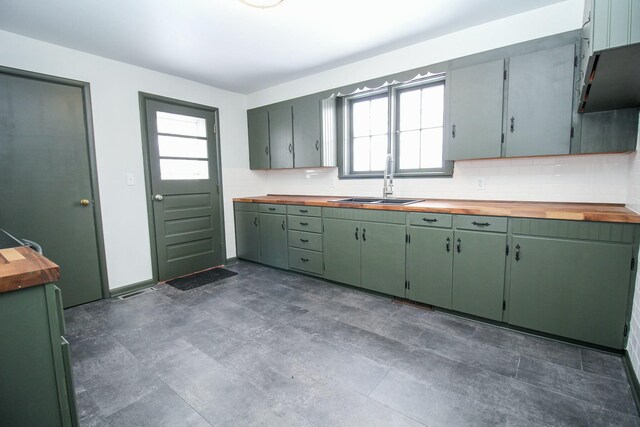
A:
(480, 183)
(130, 179)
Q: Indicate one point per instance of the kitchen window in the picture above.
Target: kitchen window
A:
(406, 120)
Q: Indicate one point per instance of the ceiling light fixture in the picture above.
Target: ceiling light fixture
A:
(262, 4)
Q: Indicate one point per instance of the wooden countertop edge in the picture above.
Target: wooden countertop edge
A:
(33, 270)
(539, 210)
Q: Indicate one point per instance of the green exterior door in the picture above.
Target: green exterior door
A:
(540, 102)
(258, 124)
(342, 250)
(248, 235)
(183, 160)
(306, 132)
(431, 266)
(478, 273)
(45, 169)
(574, 289)
(383, 257)
(281, 136)
(273, 240)
(475, 111)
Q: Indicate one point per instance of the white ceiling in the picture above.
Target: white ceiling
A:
(227, 44)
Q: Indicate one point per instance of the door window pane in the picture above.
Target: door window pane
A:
(183, 169)
(175, 146)
(178, 124)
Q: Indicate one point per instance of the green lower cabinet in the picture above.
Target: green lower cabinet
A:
(478, 273)
(341, 243)
(431, 266)
(273, 240)
(247, 235)
(574, 289)
(383, 257)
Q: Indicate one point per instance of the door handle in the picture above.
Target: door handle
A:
(356, 233)
(364, 234)
(517, 252)
(448, 245)
(513, 124)
(459, 246)
(158, 197)
(453, 131)
(84, 202)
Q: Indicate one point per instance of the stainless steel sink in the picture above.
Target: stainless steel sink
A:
(378, 201)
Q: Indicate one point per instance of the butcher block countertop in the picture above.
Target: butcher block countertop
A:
(22, 267)
(545, 210)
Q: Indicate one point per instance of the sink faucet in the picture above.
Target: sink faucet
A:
(387, 189)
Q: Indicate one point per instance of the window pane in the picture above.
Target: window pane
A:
(379, 116)
(410, 110)
(178, 124)
(361, 154)
(175, 146)
(360, 120)
(433, 106)
(184, 169)
(431, 150)
(410, 150)
(378, 152)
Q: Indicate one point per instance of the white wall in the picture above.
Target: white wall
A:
(116, 119)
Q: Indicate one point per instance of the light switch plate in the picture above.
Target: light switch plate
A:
(480, 183)
(130, 179)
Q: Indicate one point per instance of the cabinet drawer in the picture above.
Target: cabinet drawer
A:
(481, 223)
(304, 210)
(271, 208)
(430, 219)
(304, 223)
(246, 207)
(304, 240)
(300, 259)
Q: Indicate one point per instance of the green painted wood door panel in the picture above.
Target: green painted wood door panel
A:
(248, 235)
(573, 289)
(475, 111)
(431, 266)
(540, 100)
(258, 125)
(341, 243)
(306, 132)
(383, 257)
(281, 136)
(187, 216)
(273, 240)
(44, 165)
(478, 273)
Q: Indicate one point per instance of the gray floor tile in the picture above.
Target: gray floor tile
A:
(437, 321)
(163, 407)
(598, 362)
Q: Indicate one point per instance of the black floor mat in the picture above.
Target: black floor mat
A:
(200, 279)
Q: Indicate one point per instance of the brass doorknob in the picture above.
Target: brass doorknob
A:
(84, 202)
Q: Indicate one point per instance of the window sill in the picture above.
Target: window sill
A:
(447, 174)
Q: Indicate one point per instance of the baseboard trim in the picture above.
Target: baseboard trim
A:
(231, 261)
(131, 288)
(633, 379)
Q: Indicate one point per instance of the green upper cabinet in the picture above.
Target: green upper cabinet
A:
(247, 235)
(478, 273)
(430, 265)
(341, 243)
(258, 123)
(540, 102)
(475, 111)
(575, 289)
(273, 240)
(306, 132)
(383, 257)
(281, 136)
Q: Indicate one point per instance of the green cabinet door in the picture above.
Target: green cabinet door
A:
(575, 289)
(273, 240)
(478, 273)
(258, 124)
(383, 257)
(431, 266)
(247, 235)
(341, 243)
(475, 111)
(281, 136)
(540, 102)
(306, 132)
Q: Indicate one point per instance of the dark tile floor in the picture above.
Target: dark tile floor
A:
(270, 348)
